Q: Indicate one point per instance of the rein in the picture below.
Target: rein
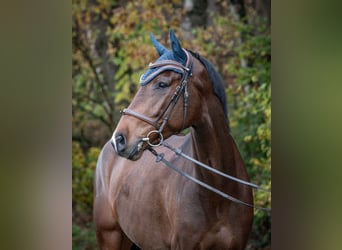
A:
(179, 152)
(160, 158)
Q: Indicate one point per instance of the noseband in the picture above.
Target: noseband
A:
(164, 117)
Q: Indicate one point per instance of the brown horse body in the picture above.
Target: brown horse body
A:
(143, 202)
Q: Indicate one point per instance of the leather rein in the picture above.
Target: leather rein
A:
(160, 158)
(160, 123)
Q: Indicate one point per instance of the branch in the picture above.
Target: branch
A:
(97, 117)
(86, 54)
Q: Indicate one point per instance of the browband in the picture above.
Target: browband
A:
(168, 65)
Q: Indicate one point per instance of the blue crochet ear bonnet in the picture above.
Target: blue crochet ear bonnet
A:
(177, 54)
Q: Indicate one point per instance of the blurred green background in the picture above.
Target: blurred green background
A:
(111, 49)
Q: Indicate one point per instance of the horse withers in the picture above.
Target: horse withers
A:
(141, 202)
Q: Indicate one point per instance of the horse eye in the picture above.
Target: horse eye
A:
(162, 85)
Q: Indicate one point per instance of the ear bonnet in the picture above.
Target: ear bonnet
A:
(177, 60)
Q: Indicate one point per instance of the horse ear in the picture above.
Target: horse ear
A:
(177, 48)
(159, 47)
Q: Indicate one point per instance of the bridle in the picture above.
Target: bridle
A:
(164, 117)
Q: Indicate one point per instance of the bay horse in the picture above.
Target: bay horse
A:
(139, 202)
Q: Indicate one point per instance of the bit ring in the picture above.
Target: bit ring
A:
(147, 138)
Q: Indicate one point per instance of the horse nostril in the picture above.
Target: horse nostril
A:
(120, 142)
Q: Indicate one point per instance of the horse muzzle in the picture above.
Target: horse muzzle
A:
(121, 147)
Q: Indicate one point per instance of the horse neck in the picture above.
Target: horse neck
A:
(214, 146)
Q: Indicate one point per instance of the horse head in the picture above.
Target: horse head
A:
(168, 101)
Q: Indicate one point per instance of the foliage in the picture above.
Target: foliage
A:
(83, 166)
(134, 50)
(83, 238)
(251, 120)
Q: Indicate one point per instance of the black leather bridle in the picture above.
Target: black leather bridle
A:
(164, 117)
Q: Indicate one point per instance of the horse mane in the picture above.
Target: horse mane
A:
(216, 81)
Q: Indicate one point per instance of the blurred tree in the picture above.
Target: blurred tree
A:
(93, 71)
(197, 12)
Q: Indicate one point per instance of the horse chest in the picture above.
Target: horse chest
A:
(162, 219)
